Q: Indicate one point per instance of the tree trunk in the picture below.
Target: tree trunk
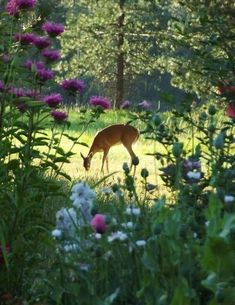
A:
(120, 57)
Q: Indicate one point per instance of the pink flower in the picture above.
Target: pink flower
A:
(53, 100)
(25, 39)
(100, 101)
(41, 42)
(73, 85)
(230, 110)
(53, 29)
(13, 7)
(145, 105)
(98, 223)
(59, 116)
(51, 55)
(125, 105)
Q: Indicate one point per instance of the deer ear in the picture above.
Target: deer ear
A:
(82, 156)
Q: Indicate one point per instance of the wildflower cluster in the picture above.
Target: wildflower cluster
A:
(71, 221)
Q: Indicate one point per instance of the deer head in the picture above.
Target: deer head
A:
(86, 161)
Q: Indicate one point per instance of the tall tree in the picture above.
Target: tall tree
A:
(200, 44)
(113, 41)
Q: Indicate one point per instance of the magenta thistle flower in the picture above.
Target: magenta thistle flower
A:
(1, 85)
(98, 223)
(44, 74)
(125, 105)
(73, 85)
(41, 42)
(26, 4)
(21, 106)
(53, 100)
(53, 29)
(25, 39)
(230, 110)
(30, 64)
(17, 92)
(59, 116)
(13, 7)
(51, 55)
(145, 105)
(100, 101)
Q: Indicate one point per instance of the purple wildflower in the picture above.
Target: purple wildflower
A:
(21, 106)
(145, 105)
(30, 64)
(100, 101)
(53, 100)
(125, 105)
(44, 74)
(1, 85)
(26, 4)
(53, 29)
(73, 85)
(41, 42)
(25, 39)
(32, 93)
(51, 55)
(59, 116)
(17, 92)
(13, 7)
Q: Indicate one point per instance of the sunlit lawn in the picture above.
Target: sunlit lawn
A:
(117, 154)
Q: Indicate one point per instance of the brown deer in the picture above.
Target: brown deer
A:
(108, 137)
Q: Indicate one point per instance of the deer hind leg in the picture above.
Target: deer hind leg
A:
(105, 158)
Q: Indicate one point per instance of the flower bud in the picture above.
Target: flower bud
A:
(135, 161)
(125, 167)
(219, 141)
(156, 120)
(177, 149)
(212, 110)
(144, 173)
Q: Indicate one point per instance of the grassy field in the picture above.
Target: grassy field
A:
(117, 155)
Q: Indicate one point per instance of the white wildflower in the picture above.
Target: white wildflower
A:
(107, 191)
(56, 233)
(119, 235)
(98, 236)
(140, 243)
(71, 248)
(66, 220)
(82, 196)
(194, 175)
(84, 267)
(128, 225)
(207, 223)
(130, 210)
(229, 198)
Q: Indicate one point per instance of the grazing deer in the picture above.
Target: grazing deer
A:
(108, 137)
